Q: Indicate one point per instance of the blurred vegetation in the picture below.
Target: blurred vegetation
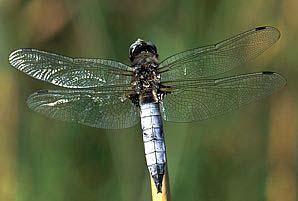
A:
(248, 155)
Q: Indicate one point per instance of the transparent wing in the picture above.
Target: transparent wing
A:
(100, 109)
(70, 72)
(203, 99)
(216, 59)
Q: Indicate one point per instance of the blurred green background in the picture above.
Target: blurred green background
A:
(247, 155)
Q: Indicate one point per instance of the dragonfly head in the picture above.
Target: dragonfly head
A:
(141, 46)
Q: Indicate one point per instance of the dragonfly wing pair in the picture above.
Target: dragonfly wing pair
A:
(196, 96)
(99, 87)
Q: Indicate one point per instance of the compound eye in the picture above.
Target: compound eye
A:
(137, 50)
(141, 46)
(133, 52)
(152, 46)
(130, 54)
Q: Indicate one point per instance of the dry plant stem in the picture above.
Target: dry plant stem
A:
(165, 195)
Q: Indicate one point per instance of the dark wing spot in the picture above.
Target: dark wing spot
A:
(260, 28)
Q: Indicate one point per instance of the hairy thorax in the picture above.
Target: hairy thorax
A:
(146, 80)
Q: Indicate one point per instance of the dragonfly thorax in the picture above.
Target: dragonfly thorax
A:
(146, 79)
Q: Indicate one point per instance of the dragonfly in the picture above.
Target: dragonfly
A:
(185, 87)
